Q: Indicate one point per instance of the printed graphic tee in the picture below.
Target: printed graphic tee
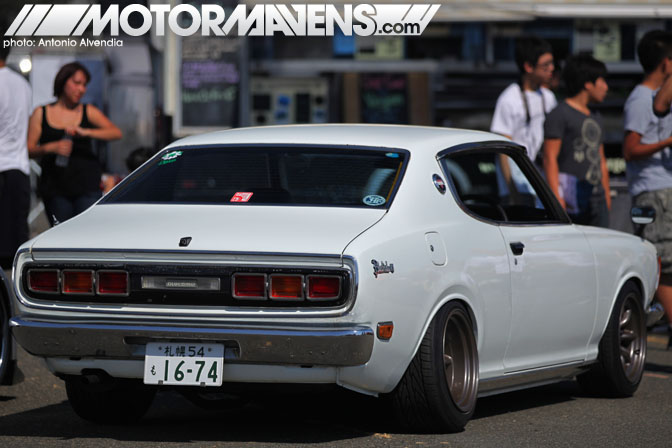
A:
(579, 163)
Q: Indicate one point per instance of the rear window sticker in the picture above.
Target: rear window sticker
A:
(374, 200)
(170, 157)
(241, 196)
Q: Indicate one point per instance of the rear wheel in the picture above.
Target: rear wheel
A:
(113, 401)
(438, 391)
(622, 349)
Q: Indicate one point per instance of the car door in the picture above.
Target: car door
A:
(553, 279)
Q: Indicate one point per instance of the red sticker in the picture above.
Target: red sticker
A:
(241, 197)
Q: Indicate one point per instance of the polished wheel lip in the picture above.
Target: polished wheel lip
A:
(460, 360)
(631, 339)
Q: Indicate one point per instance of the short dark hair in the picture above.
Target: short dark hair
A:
(581, 69)
(653, 48)
(65, 73)
(529, 49)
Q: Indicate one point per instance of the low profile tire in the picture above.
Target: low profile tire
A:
(114, 401)
(622, 352)
(438, 391)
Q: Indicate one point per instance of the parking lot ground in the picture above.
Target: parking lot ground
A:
(36, 413)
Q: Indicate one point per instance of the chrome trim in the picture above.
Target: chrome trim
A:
(107, 294)
(165, 280)
(58, 281)
(283, 298)
(93, 283)
(188, 252)
(321, 299)
(339, 346)
(347, 263)
(537, 377)
(233, 286)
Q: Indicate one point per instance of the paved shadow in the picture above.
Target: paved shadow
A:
(651, 367)
(526, 399)
(295, 420)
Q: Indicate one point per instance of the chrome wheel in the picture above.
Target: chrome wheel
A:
(632, 339)
(460, 360)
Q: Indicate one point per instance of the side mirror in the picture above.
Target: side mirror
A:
(641, 216)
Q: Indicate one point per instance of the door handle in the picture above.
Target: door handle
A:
(517, 248)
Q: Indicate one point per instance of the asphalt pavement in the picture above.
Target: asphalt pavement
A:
(36, 413)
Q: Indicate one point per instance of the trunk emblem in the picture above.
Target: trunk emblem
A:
(184, 242)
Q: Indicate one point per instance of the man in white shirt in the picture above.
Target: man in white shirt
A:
(522, 107)
(15, 104)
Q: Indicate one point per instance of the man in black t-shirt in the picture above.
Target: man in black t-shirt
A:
(574, 161)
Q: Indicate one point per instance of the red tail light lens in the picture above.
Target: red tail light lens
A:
(43, 280)
(286, 287)
(78, 282)
(249, 286)
(324, 287)
(112, 283)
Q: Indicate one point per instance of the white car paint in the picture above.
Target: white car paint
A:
(547, 307)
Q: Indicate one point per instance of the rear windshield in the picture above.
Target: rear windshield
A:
(262, 175)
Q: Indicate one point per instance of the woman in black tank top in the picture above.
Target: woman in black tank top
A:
(61, 134)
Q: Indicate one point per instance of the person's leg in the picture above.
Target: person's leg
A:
(599, 213)
(664, 294)
(85, 201)
(660, 233)
(5, 242)
(58, 209)
(15, 207)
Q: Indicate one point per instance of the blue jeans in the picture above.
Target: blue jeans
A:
(62, 208)
(594, 211)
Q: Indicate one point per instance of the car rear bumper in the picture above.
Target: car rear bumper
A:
(337, 347)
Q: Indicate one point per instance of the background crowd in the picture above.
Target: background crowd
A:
(564, 139)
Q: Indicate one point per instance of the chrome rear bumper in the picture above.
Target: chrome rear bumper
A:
(338, 347)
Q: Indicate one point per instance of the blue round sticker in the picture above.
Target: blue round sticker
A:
(374, 200)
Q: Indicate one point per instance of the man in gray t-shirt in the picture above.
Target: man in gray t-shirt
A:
(646, 149)
(654, 171)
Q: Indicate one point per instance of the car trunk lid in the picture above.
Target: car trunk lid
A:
(217, 228)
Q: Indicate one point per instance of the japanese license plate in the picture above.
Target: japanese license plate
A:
(184, 364)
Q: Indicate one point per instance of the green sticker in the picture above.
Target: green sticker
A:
(170, 157)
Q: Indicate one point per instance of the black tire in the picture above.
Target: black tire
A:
(438, 391)
(114, 401)
(622, 352)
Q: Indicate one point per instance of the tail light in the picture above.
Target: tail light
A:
(323, 287)
(286, 287)
(112, 283)
(249, 286)
(77, 282)
(44, 281)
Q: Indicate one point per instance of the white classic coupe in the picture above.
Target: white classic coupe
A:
(395, 261)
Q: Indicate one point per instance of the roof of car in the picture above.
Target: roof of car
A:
(377, 135)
